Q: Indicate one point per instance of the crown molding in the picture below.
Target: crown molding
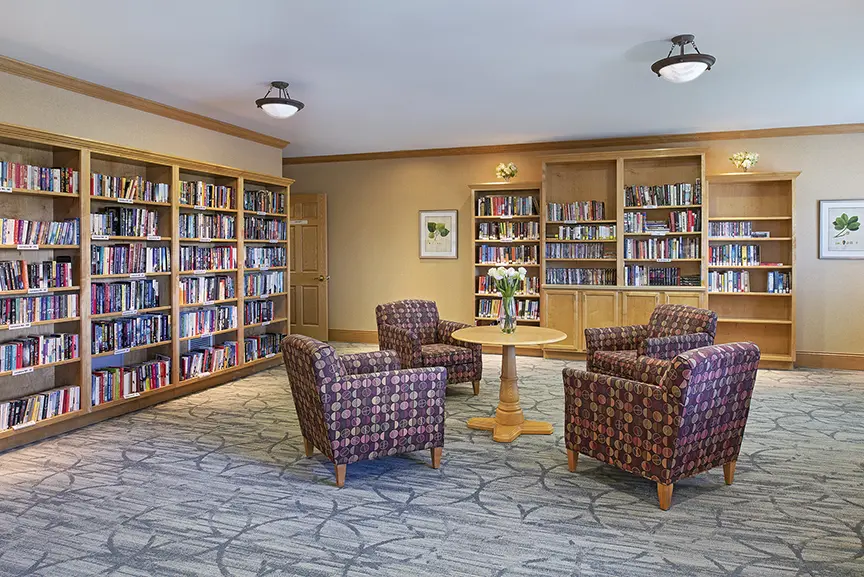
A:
(52, 78)
(587, 144)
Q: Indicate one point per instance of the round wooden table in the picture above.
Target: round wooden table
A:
(509, 422)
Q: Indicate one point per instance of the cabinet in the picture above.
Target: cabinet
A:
(560, 311)
(693, 299)
(636, 307)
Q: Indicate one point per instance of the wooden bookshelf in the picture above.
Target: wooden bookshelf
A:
(45, 149)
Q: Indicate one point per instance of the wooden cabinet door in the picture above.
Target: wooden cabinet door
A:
(694, 299)
(598, 309)
(637, 306)
(561, 311)
(308, 266)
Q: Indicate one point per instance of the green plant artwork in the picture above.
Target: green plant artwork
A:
(437, 229)
(846, 225)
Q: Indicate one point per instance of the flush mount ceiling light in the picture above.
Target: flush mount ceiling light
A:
(280, 106)
(683, 67)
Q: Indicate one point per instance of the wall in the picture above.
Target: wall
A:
(29, 103)
(374, 248)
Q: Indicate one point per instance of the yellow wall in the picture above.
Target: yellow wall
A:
(29, 103)
(374, 248)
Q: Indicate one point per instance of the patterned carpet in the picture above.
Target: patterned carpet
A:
(217, 484)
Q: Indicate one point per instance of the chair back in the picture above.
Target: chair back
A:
(416, 315)
(668, 320)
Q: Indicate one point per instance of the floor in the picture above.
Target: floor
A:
(216, 484)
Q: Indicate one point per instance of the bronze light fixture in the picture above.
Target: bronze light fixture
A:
(683, 67)
(281, 105)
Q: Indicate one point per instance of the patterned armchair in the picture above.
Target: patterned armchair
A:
(671, 330)
(692, 420)
(413, 329)
(362, 406)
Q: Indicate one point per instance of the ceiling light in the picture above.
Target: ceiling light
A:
(683, 67)
(280, 106)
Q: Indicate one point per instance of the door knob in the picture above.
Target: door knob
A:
(322, 278)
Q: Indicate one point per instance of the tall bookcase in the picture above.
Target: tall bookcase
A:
(25, 146)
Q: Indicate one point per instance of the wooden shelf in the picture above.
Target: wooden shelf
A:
(755, 321)
(129, 313)
(258, 213)
(43, 423)
(669, 207)
(26, 292)
(745, 218)
(495, 319)
(581, 221)
(95, 238)
(497, 296)
(747, 239)
(747, 294)
(260, 361)
(122, 400)
(214, 333)
(663, 261)
(548, 240)
(133, 202)
(581, 260)
(38, 367)
(39, 323)
(208, 375)
(520, 217)
(208, 271)
(749, 267)
(131, 349)
(266, 269)
(40, 247)
(194, 208)
(664, 234)
(263, 297)
(33, 192)
(258, 241)
(516, 241)
(207, 304)
(266, 323)
(130, 275)
(513, 264)
(206, 240)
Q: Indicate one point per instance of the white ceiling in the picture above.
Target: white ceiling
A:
(401, 74)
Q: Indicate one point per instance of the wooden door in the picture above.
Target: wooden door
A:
(637, 306)
(598, 309)
(561, 311)
(694, 299)
(308, 266)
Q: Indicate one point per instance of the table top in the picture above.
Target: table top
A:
(524, 335)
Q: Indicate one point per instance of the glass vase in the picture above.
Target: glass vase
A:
(507, 315)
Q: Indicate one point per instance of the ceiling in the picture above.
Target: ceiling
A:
(398, 74)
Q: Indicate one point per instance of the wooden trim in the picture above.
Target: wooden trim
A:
(587, 144)
(352, 336)
(752, 177)
(52, 78)
(496, 186)
(820, 360)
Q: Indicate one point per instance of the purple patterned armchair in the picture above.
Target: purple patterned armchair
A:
(413, 329)
(671, 330)
(362, 406)
(690, 421)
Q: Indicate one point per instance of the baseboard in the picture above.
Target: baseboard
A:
(352, 336)
(819, 360)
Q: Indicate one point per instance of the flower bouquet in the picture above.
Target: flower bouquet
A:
(507, 282)
(744, 160)
(506, 171)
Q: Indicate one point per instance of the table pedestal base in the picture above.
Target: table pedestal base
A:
(505, 433)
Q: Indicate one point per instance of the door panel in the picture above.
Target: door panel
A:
(561, 312)
(599, 309)
(692, 299)
(308, 265)
(636, 307)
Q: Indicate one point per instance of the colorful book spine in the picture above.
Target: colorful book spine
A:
(261, 311)
(20, 275)
(205, 290)
(193, 258)
(31, 177)
(125, 222)
(207, 195)
(580, 276)
(586, 232)
(264, 201)
(206, 321)
(507, 206)
(126, 296)
(257, 228)
(264, 283)
(734, 254)
(208, 226)
(666, 248)
(680, 194)
(133, 258)
(576, 211)
(262, 346)
(15, 231)
(26, 310)
(265, 256)
(505, 255)
(729, 281)
(129, 188)
(114, 383)
(36, 350)
(209, 360)
(577, 250)
(507, 231)
(38, 407)
(126, 333)
(526, 310)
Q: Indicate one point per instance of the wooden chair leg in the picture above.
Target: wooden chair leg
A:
(436, 457)
(729, 472)
(572, 460)
(308, 447)
(476, 387)
(340, 475)
(664, 494)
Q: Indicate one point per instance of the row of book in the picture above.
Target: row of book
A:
(508, 231)
(203, 362)
(576, 211)
(24, 310)
(581, 276)
(132, 258)
(31, 177)
(261, 311)
(677, 221)
(586, 232)
(734, 254)
(35, 350)
(125, 222)
(264, 201)
(265, 256)
(210, 195)
(264, 283)
(577, 250)
(526, 309)
(256, 228)
(35, 232)
(34, 408)
(208, 320)
(205, 290)
(662, 248)
(114, 383)
(207, 226)
(529, 286)
(641, 275)
(17, 275)
(128, 332)
(132, 295)
(779, 282)
(680, 194)
(128, 188)
(729, 281)
(194, 258)
(262, 346)
(522, 254)
(736, 228)
(507, 206)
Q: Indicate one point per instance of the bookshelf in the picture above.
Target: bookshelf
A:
(120, 272)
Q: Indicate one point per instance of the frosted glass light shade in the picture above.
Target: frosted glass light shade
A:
(279, 110)
(683, 71)
(280, 106)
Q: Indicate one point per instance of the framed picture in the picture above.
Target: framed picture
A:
(438, 233)
(841, 229)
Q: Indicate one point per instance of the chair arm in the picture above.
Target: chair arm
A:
(650, 370)
(445, 335)
(373, 362)
(613, 339)
(668, 348)
(405, 342)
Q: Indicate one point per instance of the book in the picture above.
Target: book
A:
(264, 201)
(202, 225)
(128, 332)
(507, 255)
(264, 256)
(31, 177)
(662, 248)
(24, 310)
(115, 383)
(34, 232)
(262, 346)
(576, 211)
(508, 231)
(264, 283)
(122, 296)
(203, 194)
(128, 187)
(261, 311)
(500, 205)
(580, 276)
(586, 232)
(679, 194)
(129, 258)
(206, 361)
(257, 228)
(36, 350)
(194, 258)
(204, 290)
(22, 275)
(124, 222)
(39, 407)
(206, 321)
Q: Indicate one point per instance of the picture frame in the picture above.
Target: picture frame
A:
(439, 234)
(839, 237)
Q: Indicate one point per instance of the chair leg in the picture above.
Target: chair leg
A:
(340, 475)
(729, 472)
(308, 447)
(664, 494)
(572, 459)
(436, 457)
(476, 387)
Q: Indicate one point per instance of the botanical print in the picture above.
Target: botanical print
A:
(846, 225)
(438, 234)
(841, 234)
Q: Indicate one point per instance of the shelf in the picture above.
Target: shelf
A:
(207, 304)
(518, 320)
(266, 323)
(43, 423)
(663, 261)
(15, 327)
(108, 238)
(37, 367)
(265, 269)
(129, 201)
(256, 241)
(582, 221)
(133, 275)
(513, 241)
(208, 375)
(734, 218)
(515, 264)
(39, 246)
(206, 208)
(746, 239)
(497, 296)
(663, 233)
(548, 240)
(259, 213)
(207, 271)
(259, 361)
(749, 267)
(130, 349)
(665, 288)
(130, 398)
(207, 240)
(263, 297)
(26, 292)
(33, 192)
(755, 321)
(669, 207)
(581, 260)
(214, 333)
(129, 313)
(519, 217)
(747, 294)
(777, 358)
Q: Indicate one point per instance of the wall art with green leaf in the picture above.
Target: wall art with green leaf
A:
(841, 234)
(438, 232)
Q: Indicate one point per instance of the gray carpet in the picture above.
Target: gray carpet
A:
(217, 484)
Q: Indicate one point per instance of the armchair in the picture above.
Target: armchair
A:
(671, 330)
(690, 421)
(362, 406)
(413, 329)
